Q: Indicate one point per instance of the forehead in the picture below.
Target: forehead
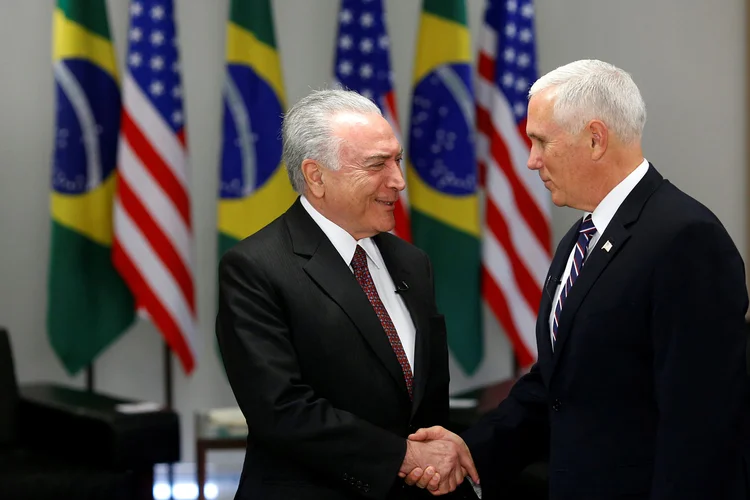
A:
(540, 117)
(543, 103)
(365, 133)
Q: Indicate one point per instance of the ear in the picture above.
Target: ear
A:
(313, 173)
(599, 137)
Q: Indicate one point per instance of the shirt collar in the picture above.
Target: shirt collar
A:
(342, 241)
(605, 211)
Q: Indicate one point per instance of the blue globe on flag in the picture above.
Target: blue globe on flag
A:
(441, 134)
(86, 135)
(252, 125)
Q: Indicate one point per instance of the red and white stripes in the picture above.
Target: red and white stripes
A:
(153, 241)
(516, 240)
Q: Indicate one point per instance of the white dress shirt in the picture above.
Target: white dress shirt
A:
(346, 245)
(602, 215)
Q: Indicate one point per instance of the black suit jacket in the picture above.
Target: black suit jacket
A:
(313, 371)
(645, 395)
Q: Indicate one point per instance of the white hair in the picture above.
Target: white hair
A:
(589, 89)
(307, 134)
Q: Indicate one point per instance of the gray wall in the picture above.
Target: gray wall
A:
(688, 56)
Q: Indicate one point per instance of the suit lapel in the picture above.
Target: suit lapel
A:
(417, 310)
(549, 298)
(595, 264)
(334, 277)
(609, 245)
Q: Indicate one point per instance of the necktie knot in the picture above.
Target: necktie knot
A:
(359, 261)
(587, 227)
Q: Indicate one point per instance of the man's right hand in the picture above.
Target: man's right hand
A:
(438, 460)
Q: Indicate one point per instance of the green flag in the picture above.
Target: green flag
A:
(253, 185)
(442, 173)
(89, 305)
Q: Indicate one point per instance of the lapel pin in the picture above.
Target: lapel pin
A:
(607, 246)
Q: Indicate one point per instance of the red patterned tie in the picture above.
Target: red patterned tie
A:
(362, 273)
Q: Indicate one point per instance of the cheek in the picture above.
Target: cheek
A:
(369, 187)
(558, 165)
(359, 193)
(548, 163)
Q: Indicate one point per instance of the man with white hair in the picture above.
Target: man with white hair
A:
(328, 326)
(640, 388)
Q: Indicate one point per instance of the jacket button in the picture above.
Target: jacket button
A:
(556, 405)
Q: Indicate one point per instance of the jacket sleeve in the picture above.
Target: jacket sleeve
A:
(699, 342)
(512, 436)
(282, 412)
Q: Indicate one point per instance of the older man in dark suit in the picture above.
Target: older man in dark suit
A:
(640, 389)
(328, 327)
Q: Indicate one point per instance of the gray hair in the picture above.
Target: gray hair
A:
(306, 132)
(591, 89)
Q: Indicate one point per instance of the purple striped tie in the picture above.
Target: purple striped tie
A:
(585, 232)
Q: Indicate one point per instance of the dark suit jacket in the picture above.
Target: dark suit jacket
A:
(645, 395)
(313, 371)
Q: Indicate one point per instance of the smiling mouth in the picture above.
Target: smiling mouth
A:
(386, 203)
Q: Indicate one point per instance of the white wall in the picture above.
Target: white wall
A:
(688, 56)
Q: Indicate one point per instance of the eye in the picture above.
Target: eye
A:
(376, 166)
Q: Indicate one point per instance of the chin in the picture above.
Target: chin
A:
(387, 226)
(556, 199)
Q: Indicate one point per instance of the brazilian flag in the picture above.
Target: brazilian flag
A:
(442, 173)
(89, 305)
(253, 187)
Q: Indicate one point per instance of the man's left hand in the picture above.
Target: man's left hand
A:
(426, 477)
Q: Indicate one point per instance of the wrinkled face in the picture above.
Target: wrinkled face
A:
(361, 195)
(561, 159)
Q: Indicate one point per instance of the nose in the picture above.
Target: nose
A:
(534, 162)
(396, 177)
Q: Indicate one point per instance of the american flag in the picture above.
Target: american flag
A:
(363, 65)
(516, 242)
(153, 247)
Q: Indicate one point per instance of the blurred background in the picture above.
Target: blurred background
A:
(689, 58)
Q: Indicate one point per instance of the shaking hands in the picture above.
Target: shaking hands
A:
(438, 460)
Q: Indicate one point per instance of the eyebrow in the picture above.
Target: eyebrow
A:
(383, 156)
(534, 136)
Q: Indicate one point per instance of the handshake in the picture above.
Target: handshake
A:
(438, 460)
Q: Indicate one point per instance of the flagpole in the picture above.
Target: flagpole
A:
(747, 114)
(168, 403)
(90, 377)
(167, 376)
